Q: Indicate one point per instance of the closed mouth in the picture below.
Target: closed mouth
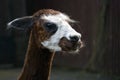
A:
(68, 46)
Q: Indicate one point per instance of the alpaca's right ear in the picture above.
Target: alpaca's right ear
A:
(21, 23)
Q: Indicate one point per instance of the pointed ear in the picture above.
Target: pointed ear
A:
(21, 23)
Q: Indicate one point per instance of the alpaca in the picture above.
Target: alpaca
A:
(50, 31)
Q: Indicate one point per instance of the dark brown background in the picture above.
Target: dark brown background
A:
(99, 25)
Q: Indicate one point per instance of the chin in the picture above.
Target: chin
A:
(76, 51)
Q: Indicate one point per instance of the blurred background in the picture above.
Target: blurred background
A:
(99, 25)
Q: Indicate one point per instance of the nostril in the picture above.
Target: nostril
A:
(74, 38)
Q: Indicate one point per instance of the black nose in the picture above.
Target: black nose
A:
(74, 38)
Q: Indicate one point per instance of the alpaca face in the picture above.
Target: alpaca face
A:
(51, 30)
(64, 37)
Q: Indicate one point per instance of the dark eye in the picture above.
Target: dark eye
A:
(50, 27)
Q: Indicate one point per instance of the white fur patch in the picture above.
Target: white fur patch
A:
(64, 30)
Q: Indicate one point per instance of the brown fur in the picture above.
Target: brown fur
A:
(38, 62)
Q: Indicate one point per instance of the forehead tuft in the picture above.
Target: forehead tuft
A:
(45, 12)
(57, 17)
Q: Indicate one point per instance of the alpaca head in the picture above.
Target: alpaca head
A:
(52, 30)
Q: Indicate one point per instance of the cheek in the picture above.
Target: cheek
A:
(42, 35)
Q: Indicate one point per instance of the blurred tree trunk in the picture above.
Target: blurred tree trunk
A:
(106, 42)
(99, 38)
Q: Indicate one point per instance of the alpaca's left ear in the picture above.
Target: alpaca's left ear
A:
(21, 23)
